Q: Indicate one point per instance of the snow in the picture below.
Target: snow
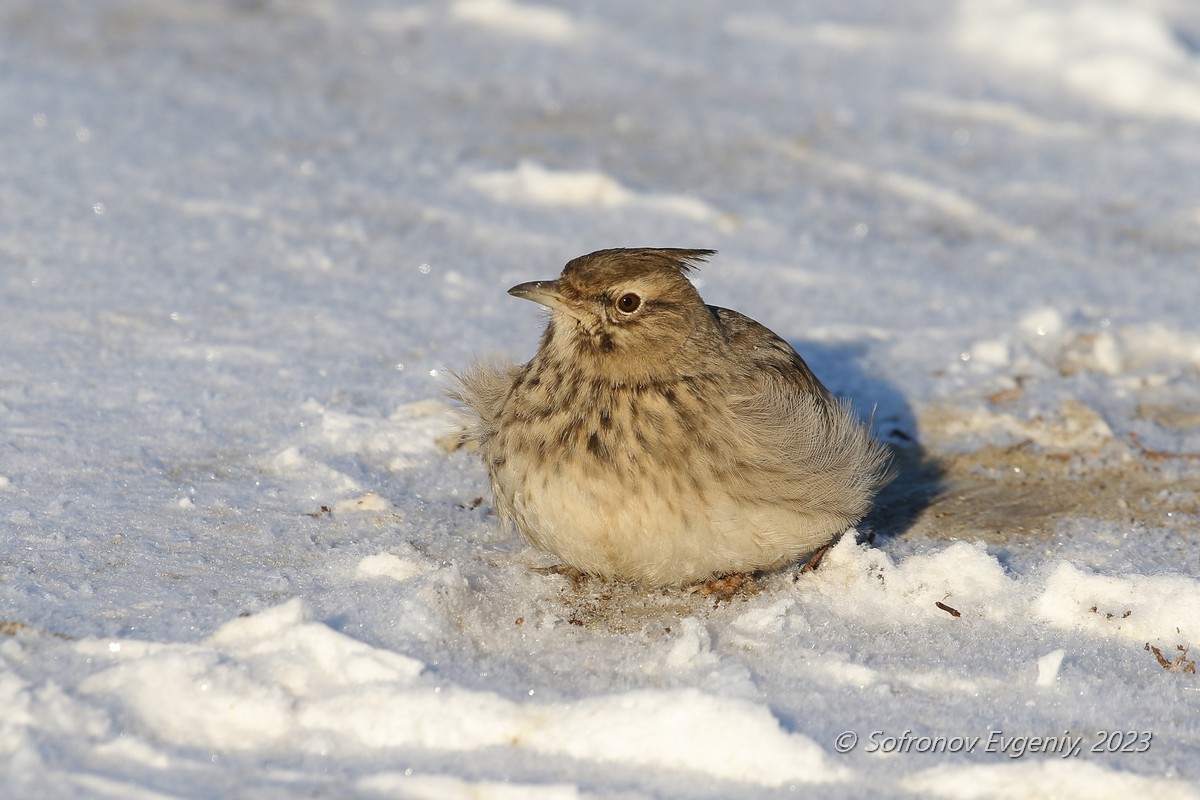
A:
(1032, 781)
(532, 183)
(521, 19)
(245, 244)
(279, 680)
(1126, 57)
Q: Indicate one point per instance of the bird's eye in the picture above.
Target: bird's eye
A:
(629, 303)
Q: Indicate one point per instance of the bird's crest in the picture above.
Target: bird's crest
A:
(682, 260)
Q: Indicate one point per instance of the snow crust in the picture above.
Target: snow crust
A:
(244, 245)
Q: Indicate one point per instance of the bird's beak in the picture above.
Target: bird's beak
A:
(545, 293)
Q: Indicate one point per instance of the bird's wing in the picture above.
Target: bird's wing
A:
(807, 445)
(767, 355)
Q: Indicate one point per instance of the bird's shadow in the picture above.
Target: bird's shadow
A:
(919, 477)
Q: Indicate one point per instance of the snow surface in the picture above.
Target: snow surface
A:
(243, 241)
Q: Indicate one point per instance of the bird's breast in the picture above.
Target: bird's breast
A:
(636, 432)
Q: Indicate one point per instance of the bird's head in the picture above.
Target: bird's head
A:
(625, 313)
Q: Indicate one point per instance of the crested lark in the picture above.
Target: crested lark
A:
(659, 440)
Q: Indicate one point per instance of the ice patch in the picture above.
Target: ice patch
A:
(530, 183)
(522, 19)
(1118, 54)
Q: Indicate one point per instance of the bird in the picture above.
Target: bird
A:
(659, 441)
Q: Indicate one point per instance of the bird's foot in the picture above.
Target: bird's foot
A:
(576, 577)
(815, 559)
(725, 587)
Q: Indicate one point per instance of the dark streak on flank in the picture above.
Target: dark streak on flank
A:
(597, 447)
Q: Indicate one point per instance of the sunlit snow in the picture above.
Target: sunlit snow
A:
(244, 245)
